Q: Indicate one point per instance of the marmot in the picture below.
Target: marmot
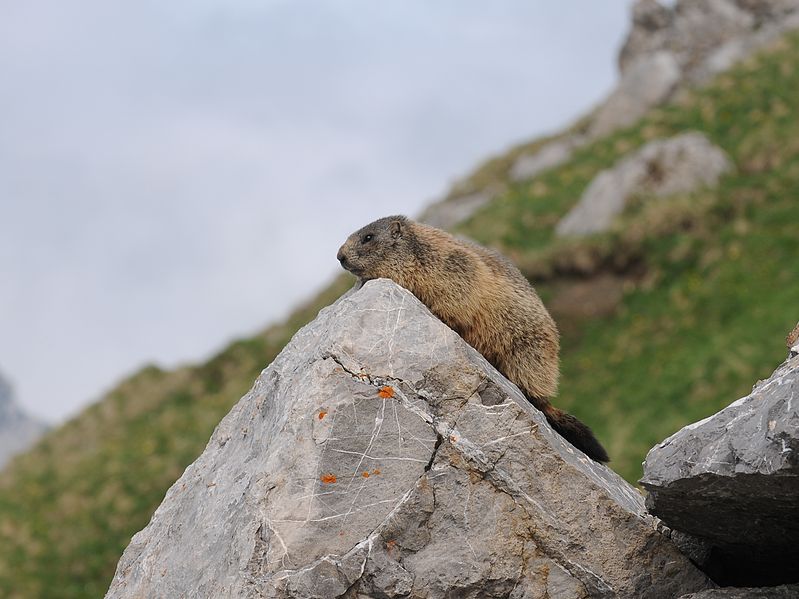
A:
(482, 297)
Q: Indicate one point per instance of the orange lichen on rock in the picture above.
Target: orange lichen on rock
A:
(376, 471)
(386, 392)
(365, 474)
(322, 414)
(328, 478)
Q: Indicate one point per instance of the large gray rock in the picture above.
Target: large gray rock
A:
(733, 481)
(688, 30)
(671, 47)
(766, 11)
(454, 210)
(661, 168)
(551, 154)
(18, 430)
(650, 81)
(705, 36)
(726, 55)
(381, 456)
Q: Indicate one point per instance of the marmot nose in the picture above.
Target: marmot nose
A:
(341, 257)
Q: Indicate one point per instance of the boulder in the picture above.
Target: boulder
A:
(381, 456)
(767, 11)
(705, 37)
(18, 430)
(454, 210)
(551, 154)
(732, 480)
(650, 24)
(649, 81)
(689, 30)
(675, 45)
(726, 55)
(660, 168)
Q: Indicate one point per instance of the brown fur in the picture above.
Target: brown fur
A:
(480, 295)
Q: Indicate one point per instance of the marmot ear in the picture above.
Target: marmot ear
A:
(395, 229)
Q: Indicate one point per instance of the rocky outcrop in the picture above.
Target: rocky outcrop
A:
(673, 47)
(381, 456)
(553, 153)
(689, 31)
(650, 81)
(661, 168)
(732, 481)
(18, 431)
(670, 48)
(456, 209)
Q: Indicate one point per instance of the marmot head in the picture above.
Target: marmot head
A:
(378, 250)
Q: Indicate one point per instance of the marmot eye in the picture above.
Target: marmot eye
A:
(367, 238)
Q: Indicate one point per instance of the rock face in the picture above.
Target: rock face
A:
(689, 31)
(448, 213)
(733, 481)
(659, 169)
(381, 456)
(552, 154)
(673, 47)
(650, 81)
(18, 431)
(697, 32)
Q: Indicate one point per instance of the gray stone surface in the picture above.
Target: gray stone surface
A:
(733, 480)
(659, 169)
(726, 55)
(649, 81)
(689, 30)
(685, 43)
(552, 154)
(18, 430)
(705, 36)
(381, 456)
(451, 211)
(767, 11)
(788, 591)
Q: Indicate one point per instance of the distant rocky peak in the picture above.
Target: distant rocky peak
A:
(7, 405)
(699, 33)
(18, 431)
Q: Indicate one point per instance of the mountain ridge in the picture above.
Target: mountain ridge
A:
(18, 430)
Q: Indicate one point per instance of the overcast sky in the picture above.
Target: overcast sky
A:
(174, 175)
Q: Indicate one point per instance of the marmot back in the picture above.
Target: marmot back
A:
(479, 294)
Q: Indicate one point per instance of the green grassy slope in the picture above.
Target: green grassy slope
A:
(708, 282)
